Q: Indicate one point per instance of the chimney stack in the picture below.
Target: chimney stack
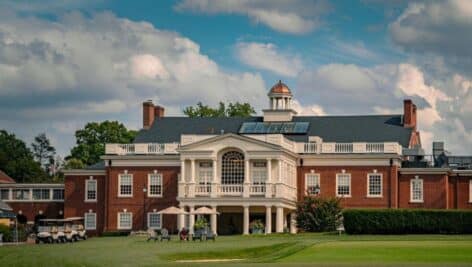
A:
(409, 114)
(150, 113)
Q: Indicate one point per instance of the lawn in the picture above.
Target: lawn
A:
(279, 250)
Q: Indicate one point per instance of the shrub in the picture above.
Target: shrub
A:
(317, 214)
(200, 224)
(407, 221)
(7, 233)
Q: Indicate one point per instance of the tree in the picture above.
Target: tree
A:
(91, 140)
(73, 163)
(17, 160)
(317, 214)
(43, 152)
(232, 110)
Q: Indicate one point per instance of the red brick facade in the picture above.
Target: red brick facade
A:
(41, 209)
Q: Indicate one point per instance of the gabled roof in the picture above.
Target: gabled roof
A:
(229, 135)
(5, 179)
(4, 206)
(371, 128)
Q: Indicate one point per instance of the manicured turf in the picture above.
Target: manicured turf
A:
(279, 250)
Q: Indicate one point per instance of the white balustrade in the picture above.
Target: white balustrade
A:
(230, 190)
(202, 190)
(348, 148)
(343, 148)
(257, 190)
(141, 149)
(374, 148)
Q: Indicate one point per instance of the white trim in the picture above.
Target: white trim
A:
(368, 184)
(94, 223)
(470, 190)
(149, 184)
(149, 220)
(350, 184)
(86, 190)
(119, 185)
(119, 221)
(318, 177)
(411, 190)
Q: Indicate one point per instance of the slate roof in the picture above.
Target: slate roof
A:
(370, 128)
(97, 166)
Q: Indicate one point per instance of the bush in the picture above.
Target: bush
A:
(7, 233)
(317, 214)
(200, 224)
(407, 221)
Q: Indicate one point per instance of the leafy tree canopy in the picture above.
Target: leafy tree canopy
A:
(44, 152)
(17, 160)
(231, 110)
(91, 140)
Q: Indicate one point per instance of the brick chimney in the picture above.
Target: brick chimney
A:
(409, 114)
(151, 112)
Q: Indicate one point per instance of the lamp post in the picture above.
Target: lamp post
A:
(144, 206)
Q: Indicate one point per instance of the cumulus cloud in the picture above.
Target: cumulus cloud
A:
(440, 28)
(267, 57)
(293, 17)
(80, 68)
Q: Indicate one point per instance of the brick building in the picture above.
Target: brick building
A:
(258, 167)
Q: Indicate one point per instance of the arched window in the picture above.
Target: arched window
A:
(232, 168)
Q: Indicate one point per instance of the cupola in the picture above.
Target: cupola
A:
(280, 103)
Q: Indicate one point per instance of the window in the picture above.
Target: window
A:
(41, 194)
(232, 168)
(155, 185)
(416, 190)
(90, 190)
(470, 190)
(374, 185)
(125, 185)
(343, 185)
(4, 194)
(312, 181)
(154, 220)
(90, 221)
(205, 173)
(58, 194)
(259, 173)
(125, 220)
(21, 194)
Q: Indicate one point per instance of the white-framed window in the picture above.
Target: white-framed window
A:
(155, 185)
(205, 173)
(5, 194)
(470, 190)
(58, 194)
(90, 221)
(90, 190)
(312, 181)
(343, 185)
(232, 168)
(416, 190)
(154, 220)
(41, 194)
(259, 172)
(21, 194)
(125, 220)
(125, 185)
(374, 185)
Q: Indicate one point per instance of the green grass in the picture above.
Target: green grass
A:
(278, 250)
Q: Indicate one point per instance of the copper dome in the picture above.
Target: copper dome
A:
(280, 88)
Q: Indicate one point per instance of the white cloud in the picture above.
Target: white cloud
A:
(267, 57)
(293, 17)
(81, 68)
(313, 110)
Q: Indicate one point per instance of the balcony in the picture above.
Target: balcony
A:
(278, 190)
(141, 149)
(349, 148)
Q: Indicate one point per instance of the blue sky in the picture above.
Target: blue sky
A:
(65, 63)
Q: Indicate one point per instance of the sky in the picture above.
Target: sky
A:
(66, 63)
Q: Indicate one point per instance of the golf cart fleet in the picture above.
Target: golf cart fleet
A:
(60, 230)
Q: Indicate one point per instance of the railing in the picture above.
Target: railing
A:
(141, 149)
(349, 148)
(257, 189)
(230, 190)
(202, 190)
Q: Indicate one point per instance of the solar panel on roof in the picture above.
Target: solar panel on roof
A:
(274, 128)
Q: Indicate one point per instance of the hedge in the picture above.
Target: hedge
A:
(407, 221)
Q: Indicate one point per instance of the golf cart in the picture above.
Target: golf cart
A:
(77, 225)
(50, 231)
(71, 234)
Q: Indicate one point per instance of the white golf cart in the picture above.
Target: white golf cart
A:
(50, 231)
(77, 226)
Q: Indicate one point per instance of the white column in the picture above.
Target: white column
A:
(213, 221)
(182, 170)
(215, 181)
(269, 171)
(279, 220)
(192, 171)
(214, 171)
(246, 171)
(279, 179)
(268, 224)
(181, 219)
(246, 220)
(191, 219)
(293, 223)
